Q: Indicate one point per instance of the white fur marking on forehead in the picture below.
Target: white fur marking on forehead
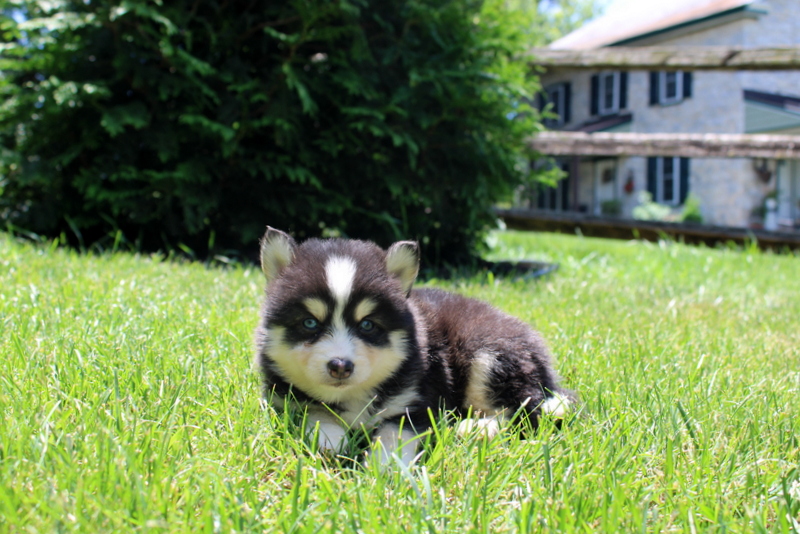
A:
(317, 308)
(364, 308)
(340, 271)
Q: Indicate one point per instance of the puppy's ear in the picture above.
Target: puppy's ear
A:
(402, 262)
(277, 252)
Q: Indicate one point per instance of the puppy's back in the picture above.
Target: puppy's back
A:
(496, 361)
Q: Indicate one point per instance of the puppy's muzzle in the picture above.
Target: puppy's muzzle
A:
(340, 368)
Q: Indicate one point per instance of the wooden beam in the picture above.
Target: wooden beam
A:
(660, 144)
(594, 226)
(669, 58)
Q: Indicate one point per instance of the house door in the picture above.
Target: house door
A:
(788, 188)
(605, 186)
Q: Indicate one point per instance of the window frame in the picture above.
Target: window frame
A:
(615, 93)
(561, 109)
(662, 88)
(676, 181)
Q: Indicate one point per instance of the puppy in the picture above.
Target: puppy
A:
(342, 333)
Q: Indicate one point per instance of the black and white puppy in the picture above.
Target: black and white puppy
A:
(342, 332)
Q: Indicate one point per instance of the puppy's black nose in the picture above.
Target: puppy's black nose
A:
(340, 368)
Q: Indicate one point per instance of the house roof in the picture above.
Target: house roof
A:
(604, 124)
(639, 19)
(790, 103)
(771, 112)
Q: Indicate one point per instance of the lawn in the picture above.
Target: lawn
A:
(127, 402)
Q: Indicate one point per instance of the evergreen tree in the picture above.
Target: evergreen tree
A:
(201, 122)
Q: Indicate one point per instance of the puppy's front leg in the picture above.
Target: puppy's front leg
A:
(332, 434)
(390, 438)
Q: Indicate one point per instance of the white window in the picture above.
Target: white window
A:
(671, 87)
(668, 179)
(609, 93)
(557, 96)
(667, 182)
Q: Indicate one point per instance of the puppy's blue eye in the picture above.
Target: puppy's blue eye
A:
(311, 324)
(366, 325)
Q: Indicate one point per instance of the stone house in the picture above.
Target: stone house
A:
(731, 192)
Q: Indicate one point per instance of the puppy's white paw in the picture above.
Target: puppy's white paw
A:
(556, 406)
(488, 426)
(331, 437)
(389, 440)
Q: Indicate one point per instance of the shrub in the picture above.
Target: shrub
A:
(691, 212)
(612, 208)
(201, 122)
(647, 210)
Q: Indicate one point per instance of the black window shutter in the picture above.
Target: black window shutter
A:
(594, 103)
(652, 170)
(654, 81)
(623, 90)
(567, 102)
(684, 192)
(540, 102)
(687, 84)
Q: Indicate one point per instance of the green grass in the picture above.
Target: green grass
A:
(127, 402)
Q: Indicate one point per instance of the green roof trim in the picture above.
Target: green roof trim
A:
(740, 9)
